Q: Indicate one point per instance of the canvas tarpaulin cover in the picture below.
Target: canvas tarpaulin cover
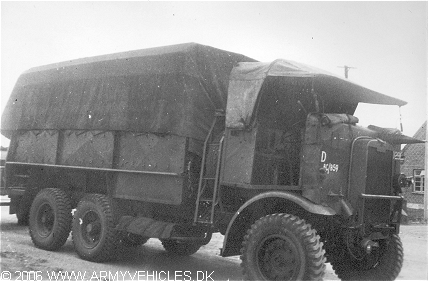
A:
(247, 79)
(167, 90)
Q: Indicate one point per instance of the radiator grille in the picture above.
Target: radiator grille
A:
(378, 182)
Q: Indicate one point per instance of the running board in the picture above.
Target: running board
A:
(146, 227)
(151, 228)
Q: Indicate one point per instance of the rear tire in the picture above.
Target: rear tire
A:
(180, 248)
(94, 235)
(50, 219)
(387, 267)
(282, 247)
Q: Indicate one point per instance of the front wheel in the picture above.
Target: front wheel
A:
(383, 264)
(282, 247)
(94, 235)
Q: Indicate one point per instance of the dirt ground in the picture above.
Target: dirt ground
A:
(21, 260)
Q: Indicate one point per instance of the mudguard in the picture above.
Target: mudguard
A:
(229, 249)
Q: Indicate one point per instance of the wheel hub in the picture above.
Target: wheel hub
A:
(363, 252)
(91, 229)
(45, 220)
(278, 258)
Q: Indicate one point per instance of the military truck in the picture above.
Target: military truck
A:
(183, 141)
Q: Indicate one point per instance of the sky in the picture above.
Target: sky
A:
(385, 42)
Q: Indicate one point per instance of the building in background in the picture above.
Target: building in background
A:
(414, 170)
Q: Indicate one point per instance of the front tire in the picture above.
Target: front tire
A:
(94, 235)
(50, 219)
(387, 266)
(282, 247)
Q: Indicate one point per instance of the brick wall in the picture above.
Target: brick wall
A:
(414, 159)
(415, 214)
(414, 153)
(412, 197)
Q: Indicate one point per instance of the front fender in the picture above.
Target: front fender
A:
(238, 225)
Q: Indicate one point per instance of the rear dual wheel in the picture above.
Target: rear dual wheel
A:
(50, 219)
(94, 235)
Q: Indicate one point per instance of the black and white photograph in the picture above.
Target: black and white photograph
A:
(213, 140)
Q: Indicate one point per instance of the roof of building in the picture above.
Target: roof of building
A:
(420, 135)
